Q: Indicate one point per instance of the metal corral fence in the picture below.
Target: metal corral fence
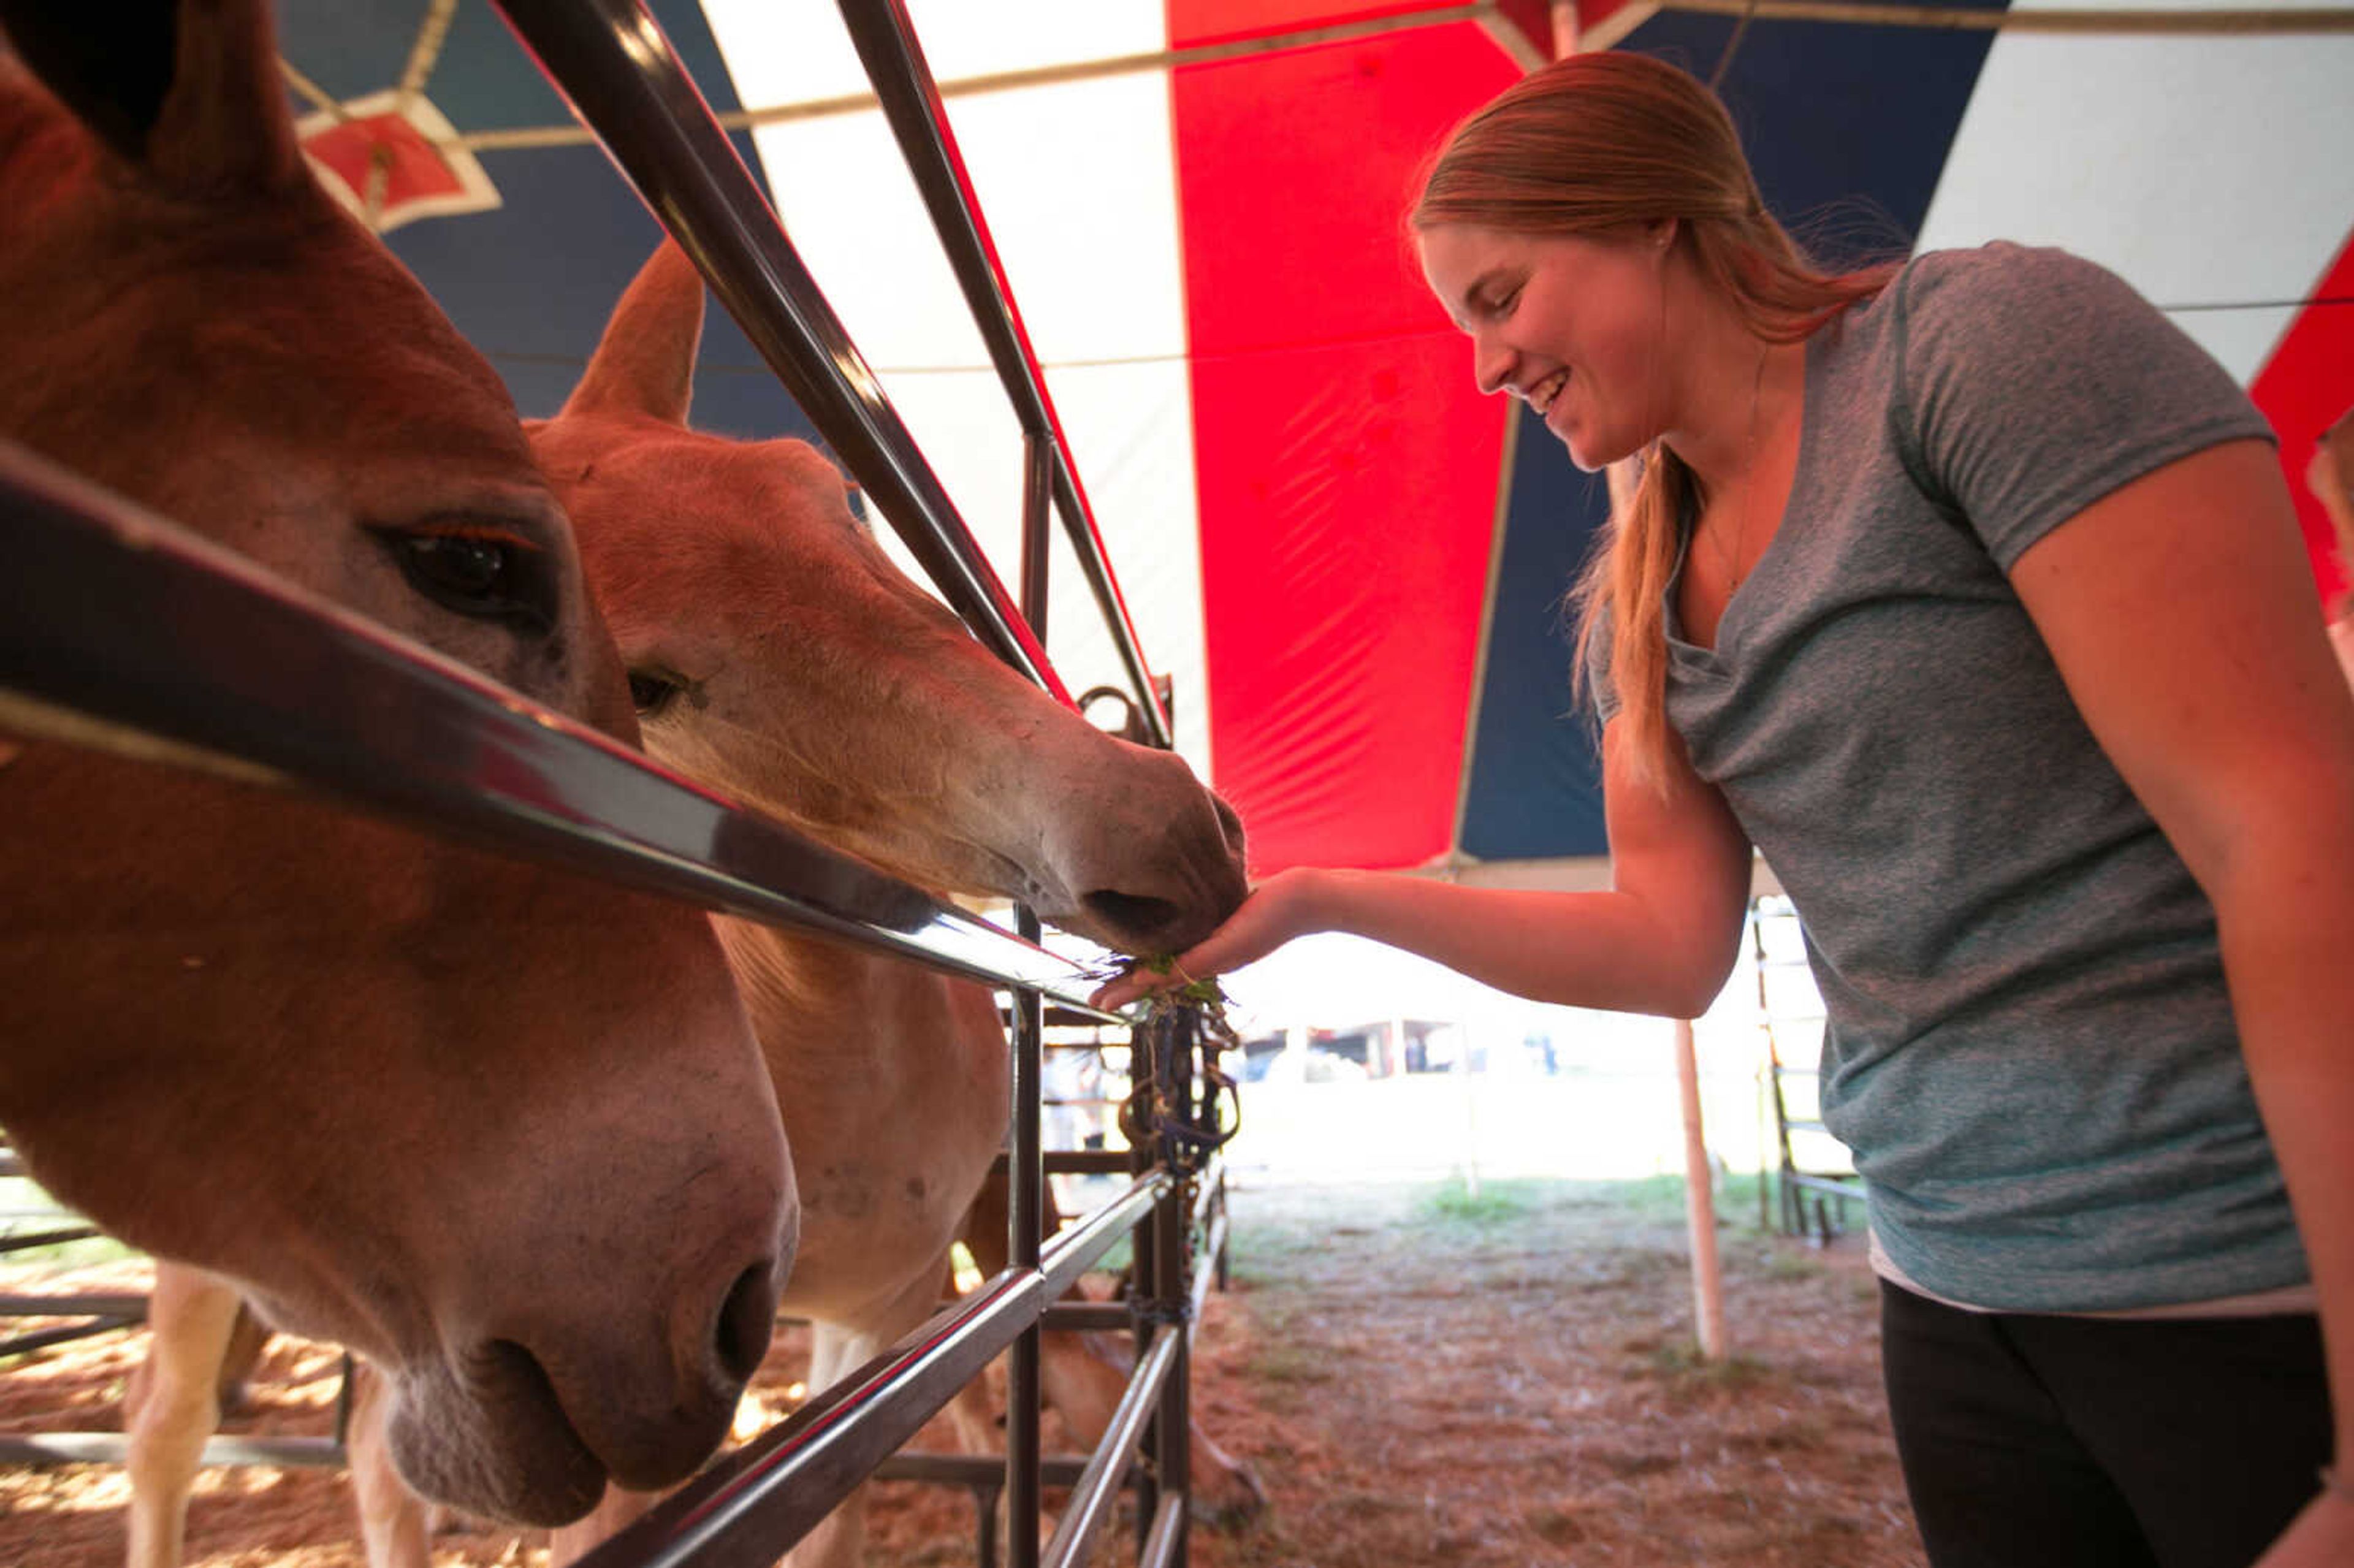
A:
(366, 716)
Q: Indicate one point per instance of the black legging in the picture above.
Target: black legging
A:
(2031, 1441)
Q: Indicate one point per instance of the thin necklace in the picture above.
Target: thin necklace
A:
(1734, 573)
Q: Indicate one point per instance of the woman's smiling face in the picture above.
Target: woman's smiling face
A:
(1570, 323)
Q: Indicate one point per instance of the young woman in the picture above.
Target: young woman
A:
(1970, 594)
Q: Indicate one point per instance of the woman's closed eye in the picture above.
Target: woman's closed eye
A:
(1496, 307)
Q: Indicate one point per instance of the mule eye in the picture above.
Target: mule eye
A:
(481, 577)
(652, 694)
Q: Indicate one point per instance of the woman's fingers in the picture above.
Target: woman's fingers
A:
(1263, 923)
(1141, 981)
(1118, 993)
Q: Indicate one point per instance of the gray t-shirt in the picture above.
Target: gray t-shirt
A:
(2030, 1047)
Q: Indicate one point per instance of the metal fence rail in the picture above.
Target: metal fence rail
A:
(910, 100)
(119, 630)
(750, 1504)
(628, 85)
(123, 631)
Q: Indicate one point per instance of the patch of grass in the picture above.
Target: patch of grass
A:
(1799, 1434)
(1557, 1526)
(24, 1196)
(1252, 1274)
(1517, 1279)
(1260, 1254)
(1266, 1542)
(1291, 1363)
(1278, 1321)
(73, 1255)
(1623, 1268)
(1495, 1203)
(1679, 1365)
(1734, 1194)
(1781, 1262)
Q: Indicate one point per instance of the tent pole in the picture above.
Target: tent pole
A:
(1470, 1111)
(1700, 1206)
(1564, 29)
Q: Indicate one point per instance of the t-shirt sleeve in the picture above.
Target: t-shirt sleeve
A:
(2034, 383)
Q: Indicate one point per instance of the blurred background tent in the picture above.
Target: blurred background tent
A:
(1351, 563)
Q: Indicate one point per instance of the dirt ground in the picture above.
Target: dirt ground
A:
(1418, 1376)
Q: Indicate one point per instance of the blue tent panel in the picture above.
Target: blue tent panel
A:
(1535, 788)
(531, 283)
(1855, 197)
(1846, 127)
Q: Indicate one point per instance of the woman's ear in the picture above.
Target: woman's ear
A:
(1661, 232)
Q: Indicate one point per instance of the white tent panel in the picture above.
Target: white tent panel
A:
(853, 214)
(1077, 184)
(964, 39)
(785, 51)
(2204, 170)
(1130, 427)
(1127, 425)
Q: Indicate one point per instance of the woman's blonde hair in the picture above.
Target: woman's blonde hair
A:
(1596, 142)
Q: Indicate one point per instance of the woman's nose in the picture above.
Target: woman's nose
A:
(1491, 365)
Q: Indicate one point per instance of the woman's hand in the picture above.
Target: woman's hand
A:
(1278, 909)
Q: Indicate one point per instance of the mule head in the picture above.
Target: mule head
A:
(775, 649)
(505, 1132)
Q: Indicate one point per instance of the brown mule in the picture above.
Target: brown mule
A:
(505, 1132)
(776, 653)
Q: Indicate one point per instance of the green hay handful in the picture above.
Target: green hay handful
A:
(1205, 999)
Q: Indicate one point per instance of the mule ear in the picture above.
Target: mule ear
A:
(187, 91)
(645, 365)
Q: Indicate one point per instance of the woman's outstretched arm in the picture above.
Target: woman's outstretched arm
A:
(1662, 940)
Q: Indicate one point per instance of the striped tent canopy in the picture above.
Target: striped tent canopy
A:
(1351, 563)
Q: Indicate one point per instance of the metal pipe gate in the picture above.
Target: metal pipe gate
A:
(414, 735)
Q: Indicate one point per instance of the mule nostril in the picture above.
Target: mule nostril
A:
(747, 1318)
(1130, 913)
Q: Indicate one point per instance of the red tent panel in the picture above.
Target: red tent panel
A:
(1329, 389)
(2303, 389)
(1192, 23)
